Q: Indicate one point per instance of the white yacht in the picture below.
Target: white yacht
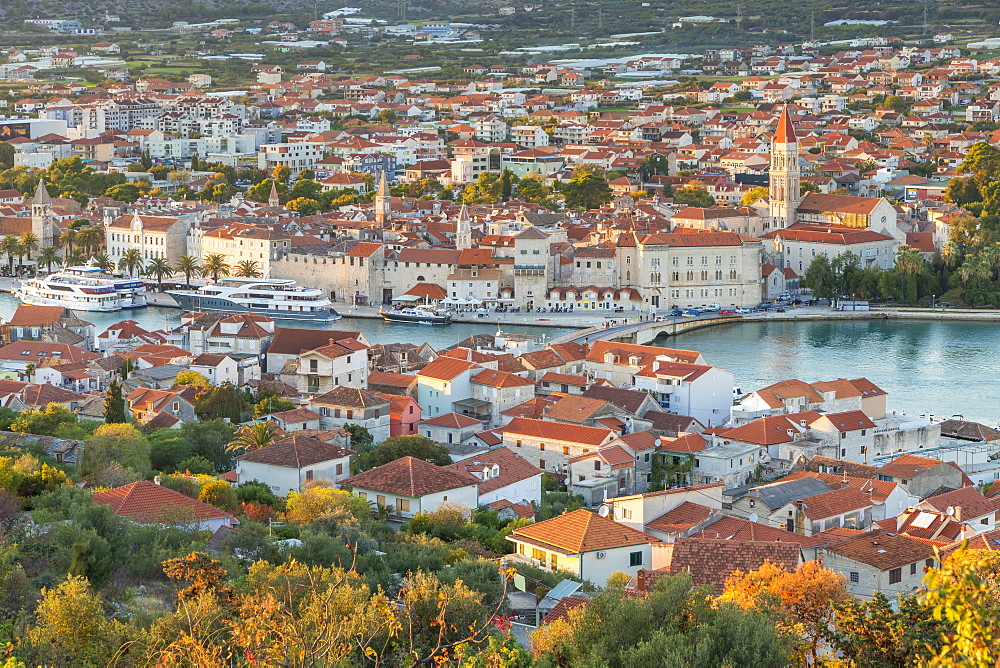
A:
(83, 289)
(280, 299)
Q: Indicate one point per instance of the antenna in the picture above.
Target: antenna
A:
(925, 17)
(600, 18)
(812, 26)
(572, 17)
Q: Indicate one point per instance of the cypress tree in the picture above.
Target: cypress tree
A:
(114, 404)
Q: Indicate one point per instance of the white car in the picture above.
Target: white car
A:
(742, 310)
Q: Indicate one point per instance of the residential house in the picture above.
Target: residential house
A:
(412, 486)
(292, 463)
(351, 405)
(450, 428)
(880, 561)
(552, 444)
(583, 544)
(146, 502)
(504, 476)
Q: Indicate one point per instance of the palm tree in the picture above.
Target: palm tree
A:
(131, 262)
(215, 265)
(47, 257)
(159, 269)
(68, 239)
(104, 263)
(30, 243)
(188, 265)
(11, 247)
(77, 257)
(90, 238)
(247, 269)
(254, 436)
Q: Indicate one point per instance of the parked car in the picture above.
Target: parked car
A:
(726, 311)
(676, 312)
(742, 310)
(691, 313)
(779, 310)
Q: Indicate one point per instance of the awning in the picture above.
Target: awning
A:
(406, 298)
(471, 403)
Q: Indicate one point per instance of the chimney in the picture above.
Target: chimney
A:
(958, 513)
(157, 480)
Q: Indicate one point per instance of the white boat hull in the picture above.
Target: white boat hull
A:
(72, 304)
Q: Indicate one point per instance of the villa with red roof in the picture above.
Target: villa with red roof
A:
(147, 502)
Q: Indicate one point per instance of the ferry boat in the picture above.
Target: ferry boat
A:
(83, 289)
(280, 299)
(421, 316)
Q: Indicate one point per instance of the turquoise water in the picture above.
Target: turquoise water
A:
(944, 368)
(376, 330)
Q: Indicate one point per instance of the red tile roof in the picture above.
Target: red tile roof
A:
(296, 451)
(410, 477)
(580, 531)
(557, 431)
(446, 368)
(146, 502)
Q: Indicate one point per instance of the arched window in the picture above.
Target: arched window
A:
(420, 278)
(628, 259)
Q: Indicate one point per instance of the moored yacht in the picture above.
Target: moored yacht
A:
(83, 289)
(418, 315)
(280, 299)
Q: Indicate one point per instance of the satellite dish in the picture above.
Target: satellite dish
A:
(753, 517)
(604, 510)
(950, 510)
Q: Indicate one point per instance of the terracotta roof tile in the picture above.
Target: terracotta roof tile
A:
(410, 477)
(580, 531)
(883, 550)
(681, 518)
(146, 502)
(296, 451)
(557, 431)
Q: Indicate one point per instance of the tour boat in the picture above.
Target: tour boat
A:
(422, 316)
(83, 289)
(280, 299)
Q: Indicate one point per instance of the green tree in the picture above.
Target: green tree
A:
(271, 404)
(261, 192)
(104, 263)
(192, 378)
(486, 189)
(167, 449)
(531, 189)
(218, 493)
(188, 266)
(396, 447)
(754, 194)
(962, 594)
(70, 628)
(247, 269)
(281, 174)
(694, 196)
(220, 402)
(47, 257)
(878, 634)
(131, 262)
(6, 156)
(320, 501)
(43, 421)
(208, 439)
(587, 191)
(159, 269)
(215, 265)
(820, 279)
(114, 404)
(29, 242)
(117, 443)
(254, 436)
(124, 192)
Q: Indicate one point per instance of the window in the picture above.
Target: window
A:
(895, 575)
(913, 569)
(635, 558)
(309, 476)
(597, 465)
(403, 505)
(340, 469)
(855, 576)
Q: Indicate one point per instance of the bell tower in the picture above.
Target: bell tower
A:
(42, 222)
(383, 203)
(784, 191)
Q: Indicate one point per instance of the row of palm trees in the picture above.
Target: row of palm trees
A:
(133, 264)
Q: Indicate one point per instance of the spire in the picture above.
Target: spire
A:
(383, 202)
(463, 229)
(785, 133)
(41, 194)
(273, 199)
